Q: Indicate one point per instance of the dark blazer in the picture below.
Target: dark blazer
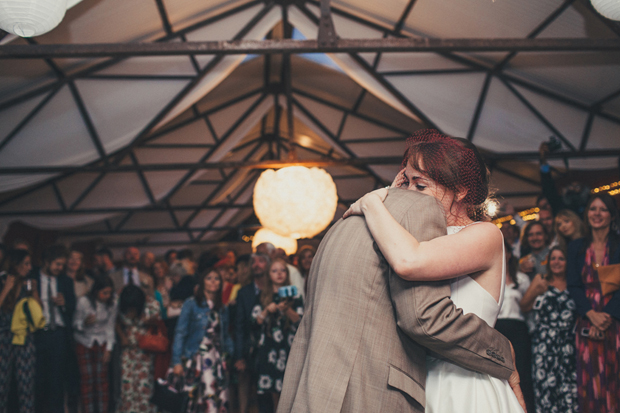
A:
(247, 298)
(361, 343)
(575, 262)
(65, 286)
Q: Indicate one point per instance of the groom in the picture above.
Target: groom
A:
(361, 343)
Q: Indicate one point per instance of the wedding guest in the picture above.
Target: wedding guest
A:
(52, 342)
(94, 321)
(103, 262)
(16, 361)
(534, 249)
(278, 319)
(202, 339)
(568, 227)
(146, 262)
(553, 338)
(163, 284)
(129, 273)
(136, 312)
(306, 255)
(511, 323)
(170, 257)
(82, 284)
(598, 324)
(247, 333)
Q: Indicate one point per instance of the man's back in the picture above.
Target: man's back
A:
(348, 348)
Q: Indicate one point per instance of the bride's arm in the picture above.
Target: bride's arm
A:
(467, 252)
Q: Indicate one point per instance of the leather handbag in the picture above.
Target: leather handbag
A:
(609, 276)
(169, 395)
(155, 341)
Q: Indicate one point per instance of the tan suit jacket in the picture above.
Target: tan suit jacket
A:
(360, 345)
(146, 281)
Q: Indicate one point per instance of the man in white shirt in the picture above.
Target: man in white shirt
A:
(52, 343)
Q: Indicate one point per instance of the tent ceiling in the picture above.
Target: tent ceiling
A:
(152, 149)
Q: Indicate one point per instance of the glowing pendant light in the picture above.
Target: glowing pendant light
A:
(296, 201)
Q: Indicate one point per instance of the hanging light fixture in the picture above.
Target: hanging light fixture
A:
(296, 201)
(289, 245)
(29, 18)
(608, 8)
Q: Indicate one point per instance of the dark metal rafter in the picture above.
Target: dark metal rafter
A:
(392, 45)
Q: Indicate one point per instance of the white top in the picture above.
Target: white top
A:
(46, 280)
(512, 297)
(102, 331)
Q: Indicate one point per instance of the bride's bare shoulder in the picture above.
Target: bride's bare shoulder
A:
(484, 231)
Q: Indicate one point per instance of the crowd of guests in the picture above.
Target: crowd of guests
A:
(561, 317)
(97, 340)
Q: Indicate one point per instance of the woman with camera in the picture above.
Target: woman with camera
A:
(278, 315)
(16, 360)
(598, 327)
(553, 339)
(201, 343)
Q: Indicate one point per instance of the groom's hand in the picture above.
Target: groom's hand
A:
(514, 381)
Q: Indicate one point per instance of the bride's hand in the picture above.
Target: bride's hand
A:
(356, 207)
(514, 381)
(399, 180)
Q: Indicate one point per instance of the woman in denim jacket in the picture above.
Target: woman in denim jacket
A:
(201, 343)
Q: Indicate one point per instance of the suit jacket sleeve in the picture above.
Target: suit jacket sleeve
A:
(240, 327)
(425, 312)
(70, 300)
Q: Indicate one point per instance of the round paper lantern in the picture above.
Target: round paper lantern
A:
(289, 245)
(28, 18)
(608, 8)
(296, 202)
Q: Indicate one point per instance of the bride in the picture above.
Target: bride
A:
(471, 256)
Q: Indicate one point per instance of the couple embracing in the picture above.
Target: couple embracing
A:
(403, 295)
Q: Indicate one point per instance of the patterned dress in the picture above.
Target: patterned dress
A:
(206, 374)
(598, 373)
(137, 368)
(16, 362)
(553, 353)
(274, 345)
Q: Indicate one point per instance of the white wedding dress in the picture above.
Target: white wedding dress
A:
(453, 389)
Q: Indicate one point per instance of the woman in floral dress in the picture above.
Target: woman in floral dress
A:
(279, 319)
(136, 313)
(598, 327)
(553, 339)
(201, 339)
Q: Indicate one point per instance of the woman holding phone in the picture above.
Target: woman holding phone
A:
(278, 318)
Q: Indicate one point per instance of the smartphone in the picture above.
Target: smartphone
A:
(288, 291)
(537, 304)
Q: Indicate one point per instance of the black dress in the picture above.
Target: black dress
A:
(274, 345)
(553, 353)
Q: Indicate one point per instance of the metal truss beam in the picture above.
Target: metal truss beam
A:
(387, 45)
(361, 161)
